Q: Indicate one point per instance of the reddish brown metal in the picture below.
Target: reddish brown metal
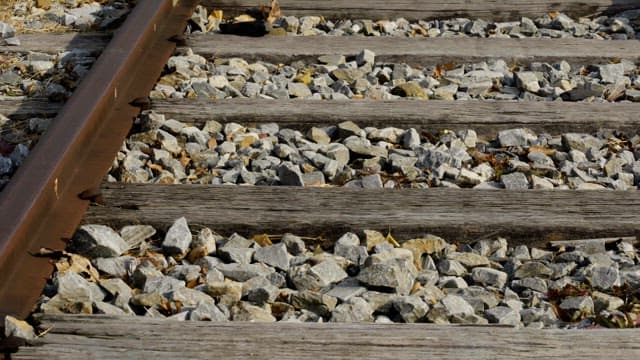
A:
(41, 206)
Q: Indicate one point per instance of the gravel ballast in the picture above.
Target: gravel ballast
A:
(167, 151)
(190, 75)
(622, 26)
(367, 277)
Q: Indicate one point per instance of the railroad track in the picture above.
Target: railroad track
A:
(61, 185)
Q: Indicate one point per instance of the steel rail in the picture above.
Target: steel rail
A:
(41, 205)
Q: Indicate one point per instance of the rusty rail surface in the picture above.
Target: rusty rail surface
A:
(42, 204)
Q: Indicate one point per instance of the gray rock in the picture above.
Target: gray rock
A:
(366, 57)
(298, 90)
(456, 305)
(392, 269)
(316, 302)
(18, 328)
(611, 73)
(100, 307)
(373, 181)
(135, 235)
(295, 245)
(451, 267)
(521, 137)
(363, 147)
(578, 305)
(355, 310)
(328, 272)
(120, 267)
(274, 255)
(265, 294)
(246, 312)
(488, 276)
(96, 241)
(410, 308)
(528, 80)
(344, 293)
(515, 181)
(162, 284)
(290, 174)
(533, 269)
(207, 311)
(503, 315)
(452, 282)
(74, 288)
(178, 238)
(604, 277)
(581, 142)
(244, 272)
(533, 283)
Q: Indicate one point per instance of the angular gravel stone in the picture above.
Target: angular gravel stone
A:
(318, 303)
(207, 311)
(503, 315)
(456, 305)
(290, 174)
(488, 276)
(516, 137)
(274, 255)
(391, 269)
(74, 288)
(515, 181)
(178, 238)
(578, 305)
(410, 308)
(98, 241)
(355, 310)
(244, 272)
(18, 328)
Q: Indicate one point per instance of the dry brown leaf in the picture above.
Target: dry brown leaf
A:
(216, 14)
(440, 69)
(77, 264)
(554, 14)
(184, 158)
(542, 149)
(155, 167)
(274, 12)
(212, 143)
(262, 240)
(391, 240)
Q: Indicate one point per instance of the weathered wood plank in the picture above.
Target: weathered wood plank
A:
(100, 337)
(54, 43)
(531, 217)
(415, 9)
(27, 108)
(415, 51)
(485, 117)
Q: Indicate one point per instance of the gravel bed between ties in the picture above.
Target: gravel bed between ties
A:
(167, 151)
(34, 74)
(337, 77)
(368, 277)
(621, 26)
(22, 76)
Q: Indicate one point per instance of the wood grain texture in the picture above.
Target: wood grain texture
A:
(27, 108)
(416, 9)
(54, 43)
(485, 117)
(105, 337)
(462, 215)
(415, 51)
